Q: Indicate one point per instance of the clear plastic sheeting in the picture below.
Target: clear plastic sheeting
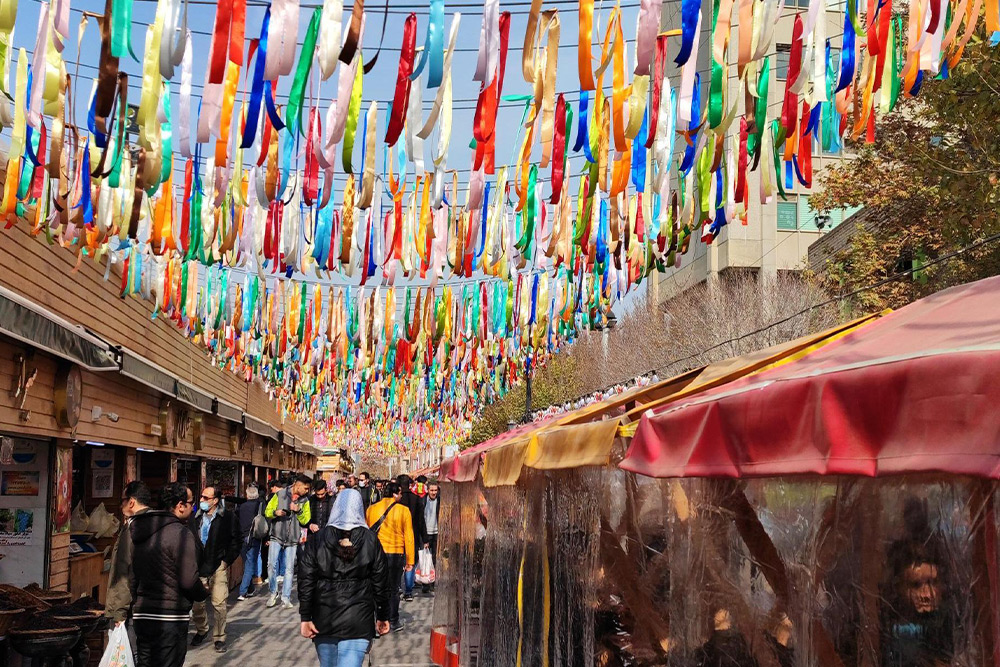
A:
(446, 586)
(472, 533)
(832, 571)
(503, 545)
(573, 529)
(633, 582)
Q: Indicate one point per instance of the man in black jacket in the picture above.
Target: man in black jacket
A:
(219, 534)
(164, 579)
(414, 504)
(319, 506)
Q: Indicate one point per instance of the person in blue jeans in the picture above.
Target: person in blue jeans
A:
(251, 546)
(288, 511)
(344, 586)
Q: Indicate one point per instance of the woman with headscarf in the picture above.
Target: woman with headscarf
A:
(344, 586)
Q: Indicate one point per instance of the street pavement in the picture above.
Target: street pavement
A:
(262, 637)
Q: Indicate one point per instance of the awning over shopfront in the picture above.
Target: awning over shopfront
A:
(31, 324)
(585, 437)
(915, 391)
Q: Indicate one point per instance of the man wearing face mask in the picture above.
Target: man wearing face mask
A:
(136, 500)
(219, 534)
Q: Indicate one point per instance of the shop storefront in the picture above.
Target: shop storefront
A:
(83, 419)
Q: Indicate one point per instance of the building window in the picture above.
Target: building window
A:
(788, 215)
(783, 52)
(803, 4)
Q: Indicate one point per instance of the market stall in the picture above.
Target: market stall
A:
(566, 552)
(840, 509)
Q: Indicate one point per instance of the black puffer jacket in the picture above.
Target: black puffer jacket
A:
(224, 540)
(164, 579)
(344, 590)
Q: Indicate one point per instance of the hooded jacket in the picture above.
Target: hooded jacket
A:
(343, 591)
(224, 540)
(286, 530)
(118, 598)
(164, 577)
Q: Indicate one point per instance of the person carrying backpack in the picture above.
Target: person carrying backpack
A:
(248, 513)
(391, 521)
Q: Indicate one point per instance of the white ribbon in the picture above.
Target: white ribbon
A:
(330, 26)
(184, 113)
(687, 80)
(489, 43)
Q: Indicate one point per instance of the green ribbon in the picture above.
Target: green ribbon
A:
(852, 11)
(897, 29)
(704, 175)
(755, 140)
(353, 110)
(121, 29)
(524, 244)
(776, 132)
(293, 112)
(167, 163)
(718, 78)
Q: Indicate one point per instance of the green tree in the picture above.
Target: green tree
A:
(929, 185)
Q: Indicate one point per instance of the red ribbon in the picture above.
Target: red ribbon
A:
(310, 189)
(661, 57)
(485, 119)
(559, 149)
(791, 103)
(400, 100)
(805, 147)
(227, 38)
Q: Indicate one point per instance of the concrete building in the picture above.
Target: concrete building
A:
(777, 234)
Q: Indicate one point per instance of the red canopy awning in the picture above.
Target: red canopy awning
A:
(917, 390)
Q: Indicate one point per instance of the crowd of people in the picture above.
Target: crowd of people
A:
(353, 550)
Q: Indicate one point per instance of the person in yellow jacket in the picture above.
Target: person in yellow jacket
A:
(392, 522)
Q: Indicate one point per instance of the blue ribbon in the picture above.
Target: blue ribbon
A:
(433, 47)
(482, 226)
(689, 24)
(582, 140)
(689, 151)
(601, 248)
(272, 110)
(847, 54)
(257, 87)
(85, 202)
(639, 155)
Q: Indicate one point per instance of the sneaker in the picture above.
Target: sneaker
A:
(251, 591)
(220, 647)
(287, 604)
(272, 601)
(408, 597)
(241, 598)
(199, 639)
(396, 627)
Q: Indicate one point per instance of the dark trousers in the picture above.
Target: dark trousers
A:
(161, 643)
(396, 563)
(432, 541)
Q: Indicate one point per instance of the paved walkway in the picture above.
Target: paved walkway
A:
(262, 637)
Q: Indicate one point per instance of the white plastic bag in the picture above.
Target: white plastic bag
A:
(79, 522)
(119, 651)
(425, 567)
(102, 523)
